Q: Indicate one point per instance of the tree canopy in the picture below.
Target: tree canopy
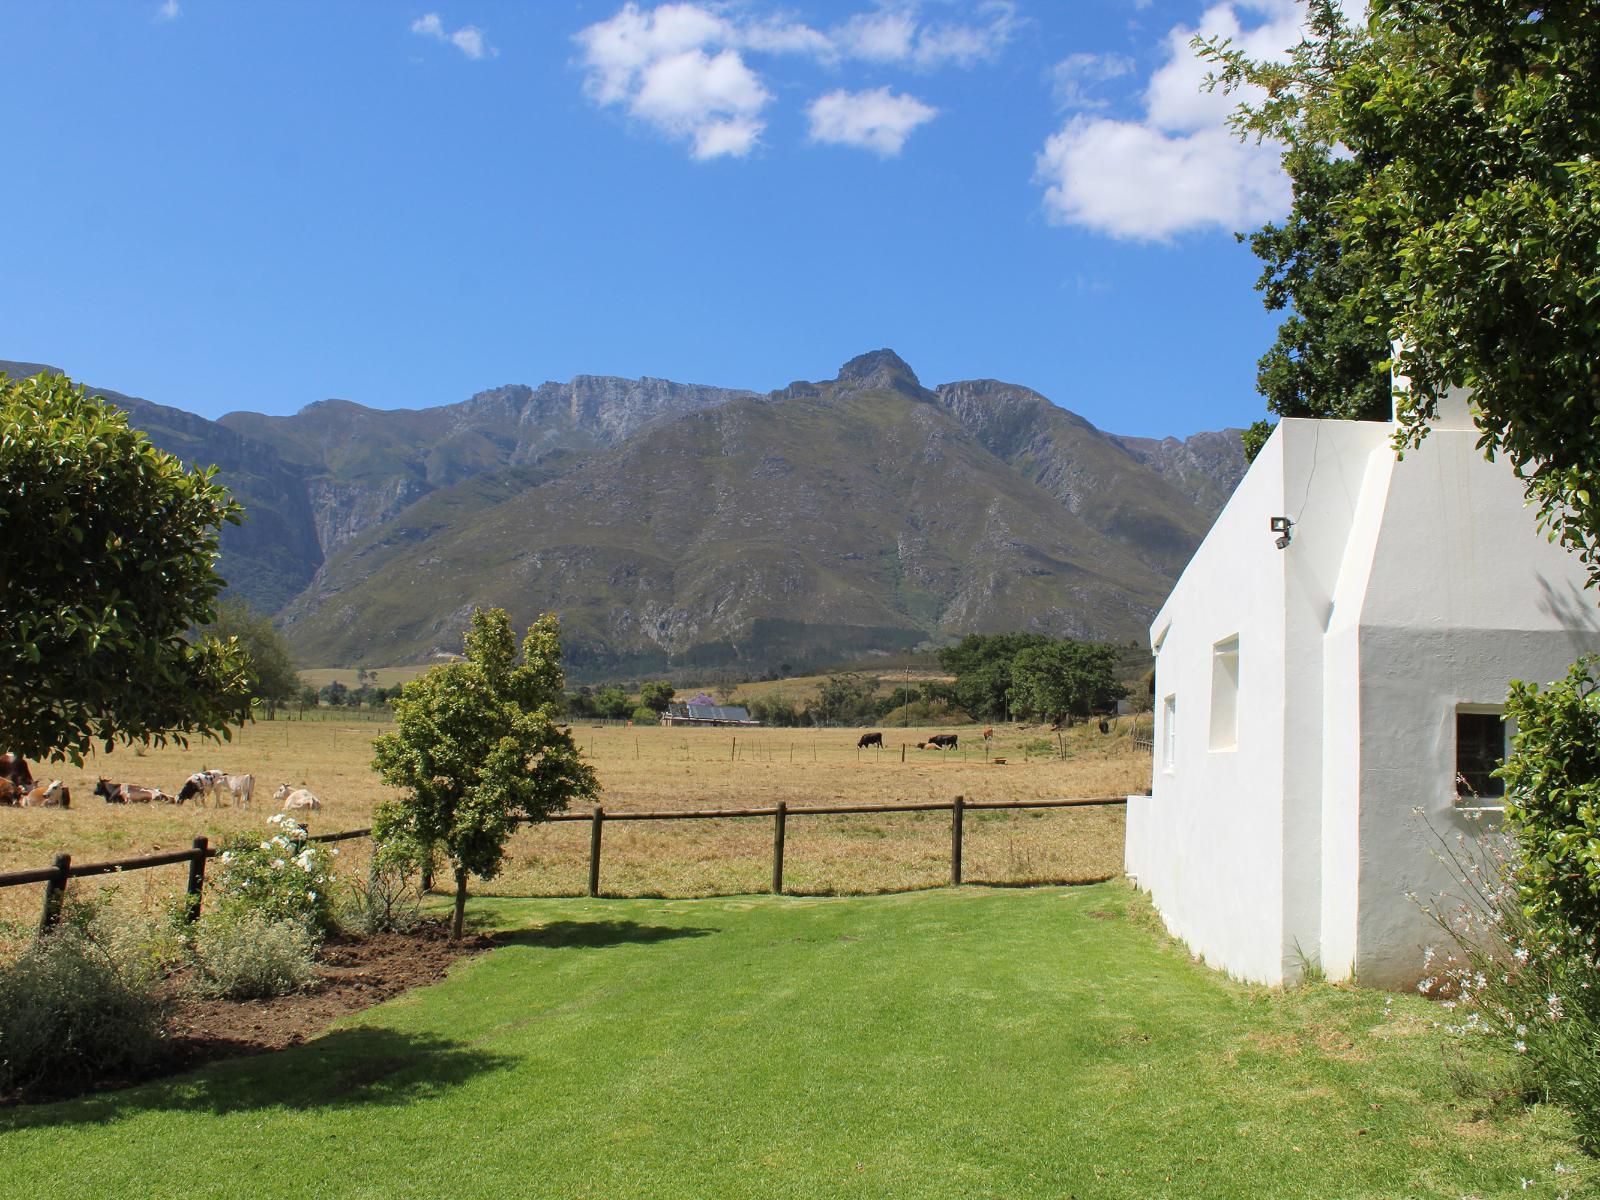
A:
(1326, 360)
(1065, 681)
(107, 563)
(1473, 206)
(275, 679)
(477, 750)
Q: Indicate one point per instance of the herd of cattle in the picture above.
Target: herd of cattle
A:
(939, 741)
(17, 787)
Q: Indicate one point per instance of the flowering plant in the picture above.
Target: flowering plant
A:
(285, 877)
(1507, 975)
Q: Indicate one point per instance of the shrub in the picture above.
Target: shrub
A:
(1553, 800)
(644, 715)
(70, 1013)
(249, 955)
(282, 878)
(385, 901)
(1537, 994)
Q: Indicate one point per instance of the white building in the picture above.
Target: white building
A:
(1310, 697)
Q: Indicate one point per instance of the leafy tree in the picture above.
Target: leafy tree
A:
(1065, 680)
(613, 704)
(981, 664)
(846, 698)
(1553, 800)
(276, 681)
(657, 694)
(308, 697)
(1326, 360)
(581, 704)
(335, 694)
(477, 749)
(645, 715)
(108, 561)
(1474, 207)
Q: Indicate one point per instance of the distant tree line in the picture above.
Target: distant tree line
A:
(1028, 676)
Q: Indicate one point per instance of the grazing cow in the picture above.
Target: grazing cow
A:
(870, 739)
(196, 787)
(242, 788)
(44, 795)
(296, 799)
(129, 793)
(943, 741)
(988, 733)
(15, 770)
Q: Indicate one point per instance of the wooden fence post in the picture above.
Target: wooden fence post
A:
(594, 850)
(197, 880)
(779, 819)
(55, 893)
(956, 811)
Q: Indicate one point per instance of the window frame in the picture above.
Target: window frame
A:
(1223, 731)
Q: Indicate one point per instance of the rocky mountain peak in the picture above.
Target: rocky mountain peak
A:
(880, 369)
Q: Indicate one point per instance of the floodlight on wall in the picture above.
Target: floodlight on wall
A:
(1282, 526)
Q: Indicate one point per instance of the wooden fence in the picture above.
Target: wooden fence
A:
(55, 876)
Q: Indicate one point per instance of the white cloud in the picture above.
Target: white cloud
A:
(897, 33)
(169, 11)
(1075, 76)
(1180, 168)
(681, 68)
(678, 68)
(469, 39)
(875, 120)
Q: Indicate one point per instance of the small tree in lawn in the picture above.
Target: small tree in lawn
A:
(476, 749)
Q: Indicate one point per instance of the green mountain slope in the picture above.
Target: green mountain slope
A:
(859, 514)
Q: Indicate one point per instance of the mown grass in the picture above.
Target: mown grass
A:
(646, 767)
(956, 1043)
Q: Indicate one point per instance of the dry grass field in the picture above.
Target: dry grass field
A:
(645, 768)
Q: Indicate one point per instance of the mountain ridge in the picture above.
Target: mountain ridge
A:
(680, 523)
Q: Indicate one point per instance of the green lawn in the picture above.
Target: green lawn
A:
(968, 1043)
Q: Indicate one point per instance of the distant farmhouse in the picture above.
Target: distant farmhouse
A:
(1330, 674)
(703, 710)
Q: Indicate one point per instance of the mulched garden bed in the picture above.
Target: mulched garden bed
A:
(356, 973)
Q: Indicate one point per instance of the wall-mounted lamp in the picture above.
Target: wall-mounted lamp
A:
(1282, 526)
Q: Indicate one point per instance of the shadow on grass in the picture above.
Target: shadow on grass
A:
(349, 1068)
(594, 935)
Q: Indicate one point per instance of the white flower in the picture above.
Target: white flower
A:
(277, 864)
(1520, 1047)
(311, 895)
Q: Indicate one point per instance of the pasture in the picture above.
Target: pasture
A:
(647, 767)
(946, 1044)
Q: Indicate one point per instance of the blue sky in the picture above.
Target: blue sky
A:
(225, 206)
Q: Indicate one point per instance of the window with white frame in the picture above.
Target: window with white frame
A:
(1482, 741)
(1169, 733)
(1225, 694)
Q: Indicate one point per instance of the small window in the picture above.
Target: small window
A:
(1225, 694)
(1169, 733)
(1480, 749)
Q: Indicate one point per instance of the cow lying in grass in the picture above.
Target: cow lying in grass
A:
(939, 741)
(130, 793)
(296, 799)
(45, 795)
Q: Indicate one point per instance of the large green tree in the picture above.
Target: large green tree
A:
(1326, 361)
(107, 563)
(981, 663)
(477, 749)
(1474, 210)
(1065, 681)
(275, 679)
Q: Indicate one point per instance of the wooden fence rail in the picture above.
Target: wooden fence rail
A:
(55, 876)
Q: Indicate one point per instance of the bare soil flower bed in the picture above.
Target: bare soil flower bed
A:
(355, 972)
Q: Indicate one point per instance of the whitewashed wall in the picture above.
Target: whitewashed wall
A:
(1409, 588)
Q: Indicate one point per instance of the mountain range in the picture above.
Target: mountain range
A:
(679, 525)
